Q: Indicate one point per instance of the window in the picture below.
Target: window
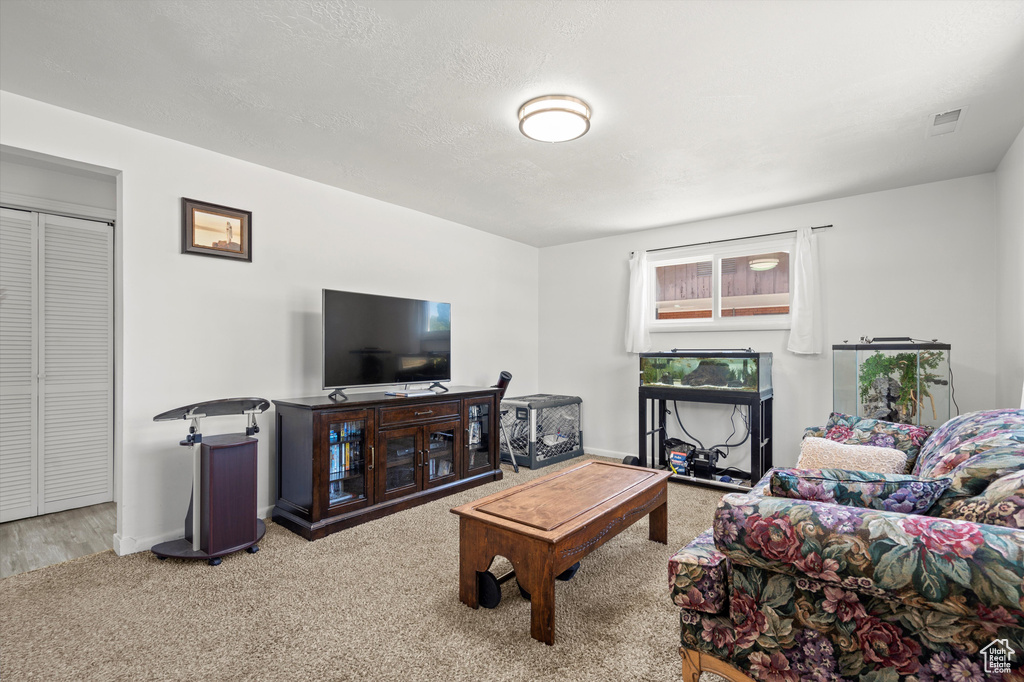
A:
(730, 285)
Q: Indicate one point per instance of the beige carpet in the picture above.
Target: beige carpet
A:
(375, 602)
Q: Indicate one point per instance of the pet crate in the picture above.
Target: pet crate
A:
(542, 429)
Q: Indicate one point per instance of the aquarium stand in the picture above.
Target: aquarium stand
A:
(654, 417)
(740, 377)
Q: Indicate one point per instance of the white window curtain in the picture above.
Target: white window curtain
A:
(805, 336)
(638, 338)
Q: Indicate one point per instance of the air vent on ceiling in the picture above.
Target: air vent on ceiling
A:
(946, 122)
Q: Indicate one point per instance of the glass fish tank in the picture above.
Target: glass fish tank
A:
(896, 380)
(708, 370)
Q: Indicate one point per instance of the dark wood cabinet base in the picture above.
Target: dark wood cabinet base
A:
(314, 531)
(342, 464)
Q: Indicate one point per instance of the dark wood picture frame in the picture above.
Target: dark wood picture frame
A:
(212, 239)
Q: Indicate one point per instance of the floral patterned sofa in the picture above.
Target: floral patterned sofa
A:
(786, 590)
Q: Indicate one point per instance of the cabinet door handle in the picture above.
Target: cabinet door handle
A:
(371, 457)
(420, 414)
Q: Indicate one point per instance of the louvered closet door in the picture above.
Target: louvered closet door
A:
(18, 365)
(76, 363)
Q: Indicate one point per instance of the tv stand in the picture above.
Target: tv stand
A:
(438, 385)
(338, 395)
(341, 464)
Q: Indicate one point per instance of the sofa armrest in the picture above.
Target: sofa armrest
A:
(698, 576)
(966, 569)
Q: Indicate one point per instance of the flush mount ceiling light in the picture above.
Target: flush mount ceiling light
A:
(762, 264)
(554, 118)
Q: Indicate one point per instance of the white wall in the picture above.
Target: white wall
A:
(1010, 284)
(912, 262)
(193, 328)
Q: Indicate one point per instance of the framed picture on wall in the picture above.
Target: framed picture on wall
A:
(214, 230)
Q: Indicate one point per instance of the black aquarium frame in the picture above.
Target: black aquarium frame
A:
(653, 412)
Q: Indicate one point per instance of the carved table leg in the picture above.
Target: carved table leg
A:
(542, 608)
(473, 556)
(658, 519)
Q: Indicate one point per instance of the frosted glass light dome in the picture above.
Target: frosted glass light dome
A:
(762, 264)
(554, 118)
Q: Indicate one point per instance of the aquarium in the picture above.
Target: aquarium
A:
(905, 382)
(711, 370)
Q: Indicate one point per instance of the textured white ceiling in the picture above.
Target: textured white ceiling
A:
(701, 109)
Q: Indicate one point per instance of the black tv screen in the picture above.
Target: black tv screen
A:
(370, 340)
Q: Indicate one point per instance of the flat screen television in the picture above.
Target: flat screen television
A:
(371, 340)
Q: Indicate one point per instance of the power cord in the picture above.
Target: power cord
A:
(732, 420)
(675, 411)
(952, 391)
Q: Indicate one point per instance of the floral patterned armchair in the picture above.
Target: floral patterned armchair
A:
(787, 590)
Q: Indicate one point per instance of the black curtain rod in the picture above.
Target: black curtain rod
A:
(733, 239)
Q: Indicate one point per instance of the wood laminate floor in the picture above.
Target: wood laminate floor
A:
(28, 544)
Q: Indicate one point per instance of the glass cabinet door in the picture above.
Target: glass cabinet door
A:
(478, 436)
(401, 450)
(347, 460)
(439, 457)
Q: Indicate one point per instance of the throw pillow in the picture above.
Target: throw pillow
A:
(846, 428)
(974, 465)
(822, 453)
(968, 430)
(1002, 503)
(886, 492)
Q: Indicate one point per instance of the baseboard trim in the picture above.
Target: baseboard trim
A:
(125, 545)
(610, 454)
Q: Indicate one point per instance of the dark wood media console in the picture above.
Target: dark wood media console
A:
(343, 463)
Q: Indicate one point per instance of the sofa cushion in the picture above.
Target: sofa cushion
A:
(967, 435)
(698, 576)
(846, 428)
(957, 568)
(822, 453)
(978, 463)
(890, 492)
(1002, 503)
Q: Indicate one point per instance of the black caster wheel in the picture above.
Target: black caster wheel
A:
(162, 558)
(488, 590)
(568, 573)
(631, 461)
(252, 549)
(214, 561)
(524, 594)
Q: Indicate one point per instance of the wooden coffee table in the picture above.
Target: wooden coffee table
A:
(546, 525)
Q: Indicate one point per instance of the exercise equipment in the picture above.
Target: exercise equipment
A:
(221, 516)
(503, 380)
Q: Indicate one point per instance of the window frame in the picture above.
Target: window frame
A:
(716, 252)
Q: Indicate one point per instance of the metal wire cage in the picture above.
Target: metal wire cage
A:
(542, 429)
